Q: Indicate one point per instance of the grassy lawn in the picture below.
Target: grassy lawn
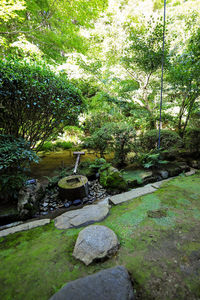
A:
(162, 254)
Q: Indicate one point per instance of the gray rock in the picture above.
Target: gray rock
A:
(110, 284)
(79, 217)
(95, 242)
(163, 174)
(28, 201)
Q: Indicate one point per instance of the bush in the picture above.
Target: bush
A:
(47, 146)
(64, 145)
(192, 139)
(99, 140)
(169, 140)
(117, 137)
(15, 158)
(35, 101)
(123, 135)
(96, 120)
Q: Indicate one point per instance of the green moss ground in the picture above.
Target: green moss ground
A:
(161, 254)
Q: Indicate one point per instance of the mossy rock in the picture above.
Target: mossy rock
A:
(112, 180)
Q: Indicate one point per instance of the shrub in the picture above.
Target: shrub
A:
(123, 135)
(192, 139)
(15, 158)
(117, 137)
(64, 145)
(99, 140)
(47, 146)
(169, 140)
(96, 120)
(34, 101)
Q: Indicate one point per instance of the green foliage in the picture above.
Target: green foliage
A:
(53, 181)
(153, 159)
(15, 158)
(192, 139)
(99, 164)
(117, 137)
(89, 88)
(145, 48)
(123, 135)
(47, 146)
(51, 27)
(184, 79)
(169, 140)
(99, 140)
(64, 145)
(127, 86)
(96, 119)
(112, 180)
(157, 4)
(35, 102)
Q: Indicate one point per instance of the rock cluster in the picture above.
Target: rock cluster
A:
(52, 201)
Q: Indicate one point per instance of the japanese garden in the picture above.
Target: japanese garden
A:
(100, 149)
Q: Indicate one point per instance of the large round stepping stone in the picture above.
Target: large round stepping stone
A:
(95, 242)
(82, 217)
(109, 284)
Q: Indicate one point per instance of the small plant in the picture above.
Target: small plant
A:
(153, 159)
(100, 163)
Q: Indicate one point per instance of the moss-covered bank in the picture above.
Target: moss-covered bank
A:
(161, 253)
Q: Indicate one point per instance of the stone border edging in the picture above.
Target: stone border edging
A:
(24, 226)
(141, 191)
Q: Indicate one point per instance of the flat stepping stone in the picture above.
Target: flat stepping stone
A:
(109, 284)
(120, 198)
(95, 242)
(80, 217)
(24, 226)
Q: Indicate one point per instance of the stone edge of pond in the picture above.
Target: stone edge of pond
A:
(114, 200)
